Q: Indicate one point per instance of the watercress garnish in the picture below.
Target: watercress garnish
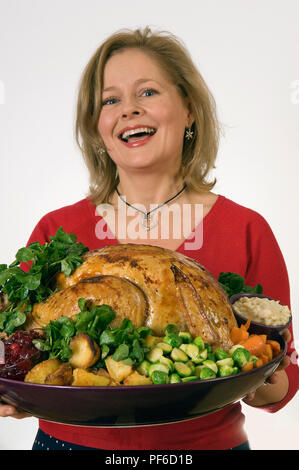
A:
(23, 289)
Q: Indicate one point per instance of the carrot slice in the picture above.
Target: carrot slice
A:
(263, 337)
(237, 335)
(259, 363)
(268, 351)
(254, 344)
(264, 358)
(247, 325)
(275, 346)
(247, 367)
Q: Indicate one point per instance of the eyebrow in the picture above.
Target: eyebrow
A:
(141, 80)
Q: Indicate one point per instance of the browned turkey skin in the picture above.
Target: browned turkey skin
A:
(126, 299)
(150, 285)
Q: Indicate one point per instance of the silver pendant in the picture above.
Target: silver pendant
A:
(147, 222)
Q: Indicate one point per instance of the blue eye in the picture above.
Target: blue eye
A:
(150, 90)
(108, 101)
(112, 100)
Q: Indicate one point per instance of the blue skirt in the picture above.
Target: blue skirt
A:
(44, 441)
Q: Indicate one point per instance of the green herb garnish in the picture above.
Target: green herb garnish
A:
(59, 333)
(124, 343)
(233, 283)
(62, 254)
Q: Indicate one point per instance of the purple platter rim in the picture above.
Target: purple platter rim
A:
(136, 388)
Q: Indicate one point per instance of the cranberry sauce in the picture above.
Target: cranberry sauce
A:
(20, 355)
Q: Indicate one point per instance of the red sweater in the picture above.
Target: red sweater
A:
(235, 239)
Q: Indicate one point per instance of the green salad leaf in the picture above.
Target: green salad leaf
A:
(23, 289)
(124, 342)
(233, 283)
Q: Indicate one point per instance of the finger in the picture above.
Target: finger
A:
(249, 397)
(287, 336)
(273, 379)
(20, 415)
(284, 363)
(11, 411)
(7, 410)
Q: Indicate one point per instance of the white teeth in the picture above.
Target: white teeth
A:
(130, 132)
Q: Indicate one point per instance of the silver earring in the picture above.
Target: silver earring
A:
(101, 150)
(189, 134)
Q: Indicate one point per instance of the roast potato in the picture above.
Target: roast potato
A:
(137, 379)
(83, 378)
(85, 351)
(118, 371)
(61, 376)
(39, 373)
(104, 373)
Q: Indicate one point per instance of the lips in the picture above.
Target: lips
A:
(136, 136)
(138, 132)
(137, 142)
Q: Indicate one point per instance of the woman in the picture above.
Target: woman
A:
(148, 130)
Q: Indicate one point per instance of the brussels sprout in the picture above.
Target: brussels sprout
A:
(212, 365)
(197, 370)
(240, 357)
(192, 351)
(227, 370)
(233, 349)
(154, 355)
(207, 373)
(184, 347)
(171, 329)
(174, 340)
(191, 378)
(226, 362)
(211, 357)
(178, 355)
(192, 367)
(208, 347)
(175, 379)
(158, 366)
(159, 377)
(182, 369)
(166, 348)
(186, 337)
(221, 354)
(143, 368)
(200, 343)
(167, 362)
(202, 356)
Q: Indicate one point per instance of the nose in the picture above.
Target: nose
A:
(131, 108)
(127, 114)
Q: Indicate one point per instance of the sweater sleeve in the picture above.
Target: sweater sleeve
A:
(40, 233)
(267, 267)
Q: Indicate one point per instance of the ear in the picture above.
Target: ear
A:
(190, 115)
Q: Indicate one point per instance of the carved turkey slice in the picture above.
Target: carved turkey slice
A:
(126, 299)
(156, 287)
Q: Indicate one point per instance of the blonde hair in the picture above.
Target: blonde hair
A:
(199, 153)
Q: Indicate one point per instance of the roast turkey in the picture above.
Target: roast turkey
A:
(150, 285)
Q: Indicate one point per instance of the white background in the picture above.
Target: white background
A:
(247, 50)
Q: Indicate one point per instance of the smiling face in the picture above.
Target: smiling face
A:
(143, 117)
